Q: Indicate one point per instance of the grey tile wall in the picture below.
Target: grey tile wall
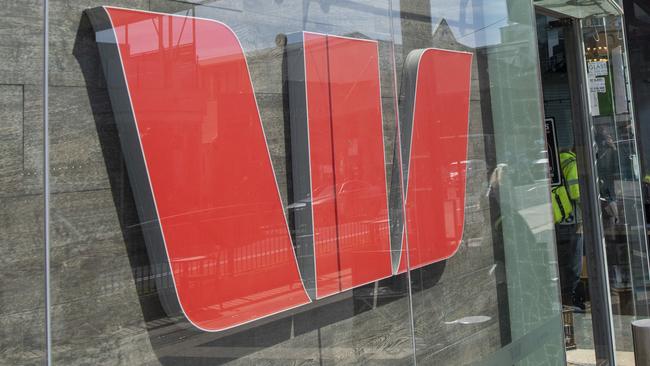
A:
(22, 310)
(22, 289)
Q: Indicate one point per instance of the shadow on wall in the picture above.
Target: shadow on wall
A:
(173, 339)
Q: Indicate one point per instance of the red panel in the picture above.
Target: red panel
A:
(321, 160)
(435, 201)
(350, 210)
(359, 168)
(209, 167)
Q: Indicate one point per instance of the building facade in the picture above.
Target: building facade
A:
(169, 197)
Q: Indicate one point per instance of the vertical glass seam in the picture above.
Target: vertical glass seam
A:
(540, 98)
(398, 151)
(46, 183)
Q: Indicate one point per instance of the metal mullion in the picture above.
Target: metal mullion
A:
(593, 232)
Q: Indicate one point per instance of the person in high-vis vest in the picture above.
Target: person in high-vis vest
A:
(565, 200)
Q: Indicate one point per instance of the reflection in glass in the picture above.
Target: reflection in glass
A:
(619, 173)
(504, 266)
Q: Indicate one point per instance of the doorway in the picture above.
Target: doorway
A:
(595, 179)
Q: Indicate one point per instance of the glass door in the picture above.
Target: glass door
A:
(581, 291)
(604, 249)
(617, 174)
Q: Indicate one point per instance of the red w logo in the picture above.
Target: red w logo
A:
(204, 184)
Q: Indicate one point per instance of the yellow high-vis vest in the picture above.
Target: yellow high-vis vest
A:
(562, 206)
(570, 174)
(563, 197)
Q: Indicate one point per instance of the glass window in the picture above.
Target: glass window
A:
(500, 288)
(263, 157)
(277, 182)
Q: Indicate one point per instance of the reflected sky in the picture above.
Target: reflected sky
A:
(474, 23)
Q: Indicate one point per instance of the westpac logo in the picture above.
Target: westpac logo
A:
(204, 183)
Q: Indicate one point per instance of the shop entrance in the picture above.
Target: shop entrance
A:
(595, 179)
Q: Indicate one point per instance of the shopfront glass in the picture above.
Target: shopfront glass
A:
(280, 182)
(503, 268)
